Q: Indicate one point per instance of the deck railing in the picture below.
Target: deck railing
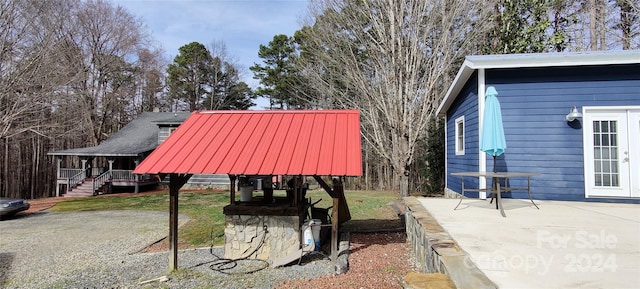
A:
(68, 173)
(100, 180)
(123, 175)
(75, 177)
(75, 180)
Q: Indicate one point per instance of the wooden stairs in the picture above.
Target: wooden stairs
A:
(85, 189)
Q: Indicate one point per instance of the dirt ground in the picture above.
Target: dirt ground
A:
(377, 260)
(41, 205)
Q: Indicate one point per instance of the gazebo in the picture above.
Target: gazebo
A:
(259, 145)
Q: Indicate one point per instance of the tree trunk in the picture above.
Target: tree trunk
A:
(593, 33)
(5, 173)
(380, 176)
(627, 20)
(404, 185)
(602, 27)
(366, 168)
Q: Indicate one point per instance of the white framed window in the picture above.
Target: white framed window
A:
(459, 143)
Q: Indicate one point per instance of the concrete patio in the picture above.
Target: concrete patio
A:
(561, 245)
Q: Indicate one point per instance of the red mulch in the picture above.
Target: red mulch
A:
(376, 260)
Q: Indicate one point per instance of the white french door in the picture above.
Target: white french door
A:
(612, 152)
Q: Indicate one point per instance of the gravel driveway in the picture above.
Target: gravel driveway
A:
(99, 250)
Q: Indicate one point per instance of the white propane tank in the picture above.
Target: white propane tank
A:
(307, 234)
(315, 228)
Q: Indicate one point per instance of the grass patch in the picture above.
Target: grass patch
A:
(204, 209)
(369, 210)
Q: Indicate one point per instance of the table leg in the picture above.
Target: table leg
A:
(529, 192)
(494, 182)
(500, 200)
(461, 193)
(493, 191)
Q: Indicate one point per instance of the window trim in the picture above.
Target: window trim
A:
(458, 136)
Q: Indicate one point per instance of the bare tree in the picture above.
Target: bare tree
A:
(218, 48)
(150, 81)
(30, 76)
(26, 76)
(629, 23)
(67, 79)
(391, 60)
(104, 37)
(225, 73)
(606, 24)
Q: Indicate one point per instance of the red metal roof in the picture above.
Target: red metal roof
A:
(291, 142)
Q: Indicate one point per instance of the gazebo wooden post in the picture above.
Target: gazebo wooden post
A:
(176, 181)
(173, 222)
(232, 189)
(334, 231)
(340, 212)
(297, 190)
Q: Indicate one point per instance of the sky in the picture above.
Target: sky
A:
(241, 24)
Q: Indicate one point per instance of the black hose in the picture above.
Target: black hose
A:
(224, 265)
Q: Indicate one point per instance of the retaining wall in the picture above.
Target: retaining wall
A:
(436, 252)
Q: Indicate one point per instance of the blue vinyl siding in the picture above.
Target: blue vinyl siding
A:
(534, 103)
(465, 105)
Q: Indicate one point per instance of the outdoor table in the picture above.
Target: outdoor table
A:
(496, 190)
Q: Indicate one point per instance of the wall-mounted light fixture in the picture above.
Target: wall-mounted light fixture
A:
(573, 114)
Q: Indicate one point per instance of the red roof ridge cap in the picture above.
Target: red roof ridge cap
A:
(277, 111)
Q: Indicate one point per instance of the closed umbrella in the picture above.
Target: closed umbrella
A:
(492, 139)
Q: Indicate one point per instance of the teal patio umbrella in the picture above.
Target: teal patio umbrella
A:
(492, 136)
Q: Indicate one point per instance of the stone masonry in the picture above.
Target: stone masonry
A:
(436, 252)
(261, 237)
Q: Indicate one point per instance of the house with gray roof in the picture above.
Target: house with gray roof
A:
(111, 163)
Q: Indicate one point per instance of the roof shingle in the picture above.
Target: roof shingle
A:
(136, 138)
